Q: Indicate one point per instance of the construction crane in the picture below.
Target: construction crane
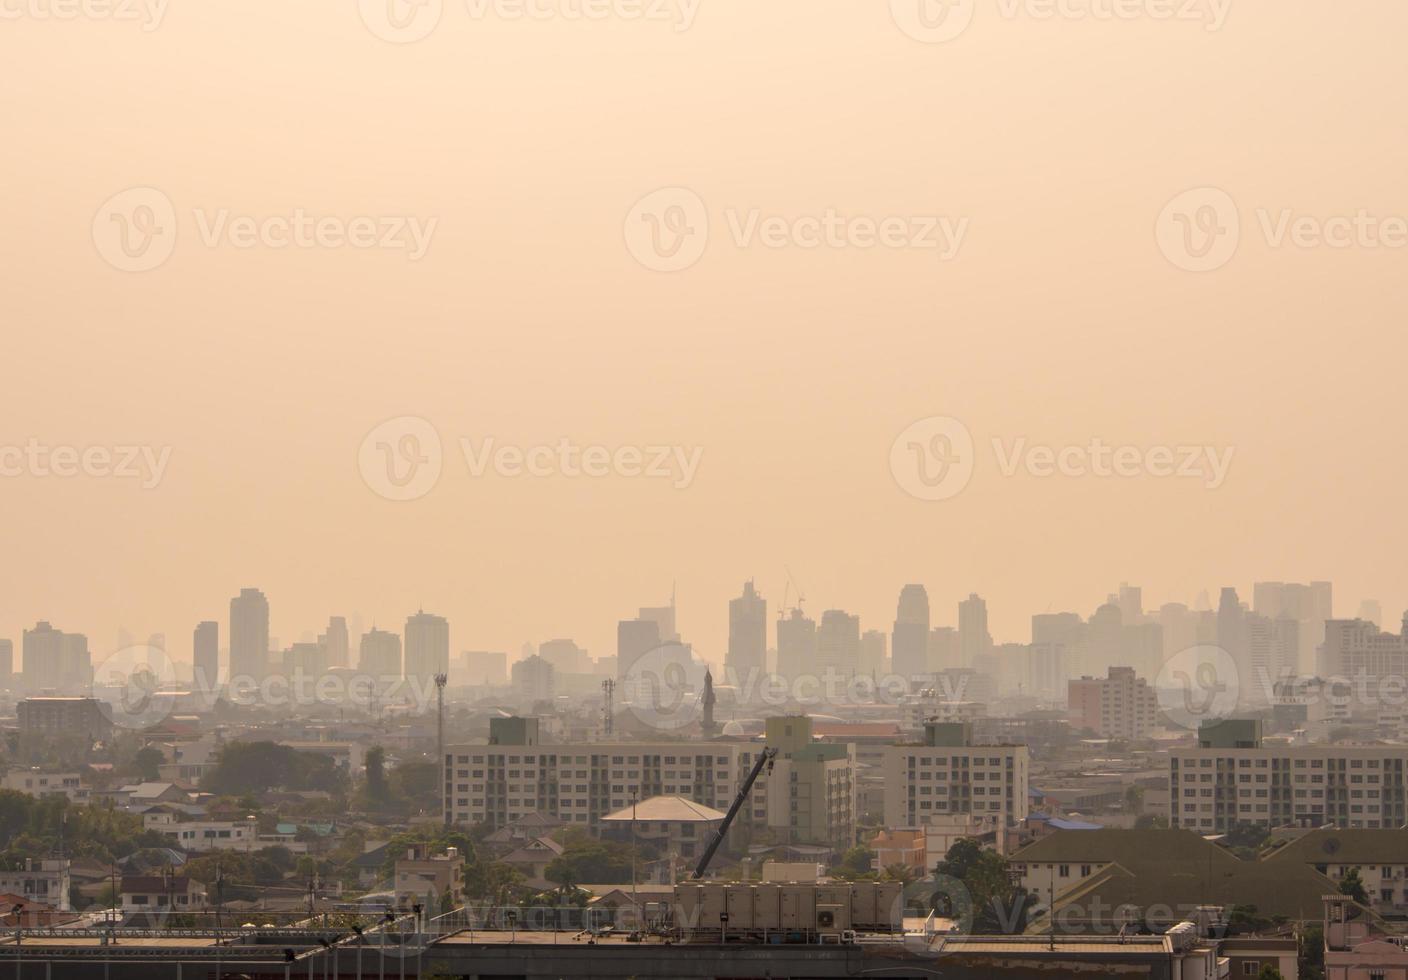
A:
(765, 758)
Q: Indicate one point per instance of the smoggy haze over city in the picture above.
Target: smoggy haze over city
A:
(1053, 145)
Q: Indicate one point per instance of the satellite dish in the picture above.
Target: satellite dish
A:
(1331, 846)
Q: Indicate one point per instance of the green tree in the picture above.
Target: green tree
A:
(146, 763)
(998, 906)
(1269, 972)
(1353, 886)
(255, 767)
(376, 775)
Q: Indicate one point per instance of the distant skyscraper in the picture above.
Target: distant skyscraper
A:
(1309, 605)
(566, 657)
(837, 645)
(56, 660)
(337, 643)
(205, 657)
(974, 640)
(664, 619)
(427, 647)
(634, 639)
(1371, 612)
(249, 635)
(796, 645)
(909, 641)
(943, 649)
(534, 680)
(1131, 603)
(380, 656)
(873, 654)
(7, 664)
(747, 636)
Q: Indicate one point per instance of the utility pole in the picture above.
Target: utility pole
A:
(440, 681)
(608, 691)
(635, 901)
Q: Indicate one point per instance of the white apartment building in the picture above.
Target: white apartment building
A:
(810, 797)
(1232, 780)
(33, 782)
(43, 882)
(949, 775)
(209, 835)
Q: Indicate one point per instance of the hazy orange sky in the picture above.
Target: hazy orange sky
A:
(528, 142)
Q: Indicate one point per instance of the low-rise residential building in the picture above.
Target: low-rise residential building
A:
(36, 782)
(43, 881)
(63, 716)
(206, 835)
(161, 893)
(947, 774)
(1232, 778)
(422, 878)
(673, 824)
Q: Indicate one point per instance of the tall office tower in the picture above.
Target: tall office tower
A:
(747, 637)
(1232, 632)
(796, 645)
(249, 635)
(380, 656)
(634, 639)
(308, 660)
(909, 639)
(943, 649)
(566, 657)
(837, 646)
(873, 644)
(1131, 603)
(974, 640)
(664, 619)
(336, 643)
(56, 660)
(534, 679)
(205, 657)
(427, 647)
(7, 664)
(1309, 605)
(1273, 652)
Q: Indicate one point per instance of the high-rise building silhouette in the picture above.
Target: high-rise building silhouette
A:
(838, 644)
(974, 640)
(747, 636)
(796, 645)
(874, 656)
(7, 664)
(336, 643)
(634, 639)
(380, 656)
(205, 656)
(427, 647)
(249, 635)
(909, 640)
(56, 660)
